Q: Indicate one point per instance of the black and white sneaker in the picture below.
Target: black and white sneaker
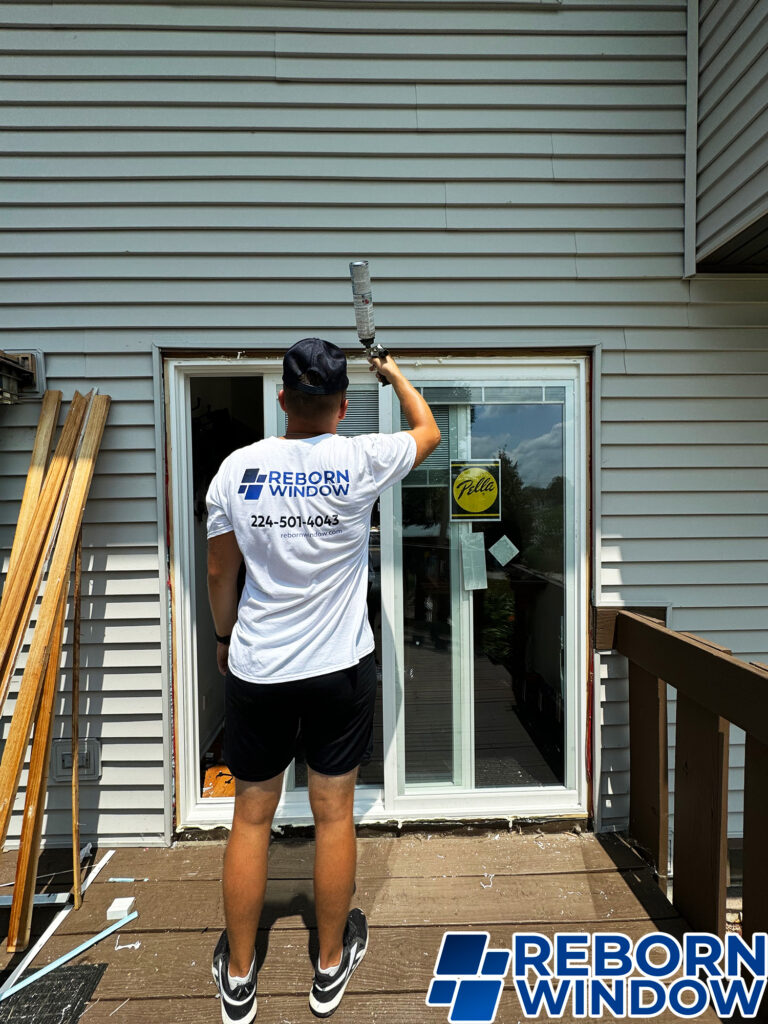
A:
(327, 989)
(238, 1004)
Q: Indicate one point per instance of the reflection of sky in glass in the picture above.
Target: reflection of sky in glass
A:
(532, 436)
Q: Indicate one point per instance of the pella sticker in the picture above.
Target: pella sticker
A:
(475, 490)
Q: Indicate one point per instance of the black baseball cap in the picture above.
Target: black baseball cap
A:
(322, 366)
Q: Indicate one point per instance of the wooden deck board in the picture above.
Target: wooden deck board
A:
(169, 963)
(413, 888)
(406, 1008)
(408, 856)
(449, 901)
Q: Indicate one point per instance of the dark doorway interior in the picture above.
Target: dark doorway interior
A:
(227, 413)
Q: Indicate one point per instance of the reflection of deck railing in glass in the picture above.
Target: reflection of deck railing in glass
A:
(713, 689)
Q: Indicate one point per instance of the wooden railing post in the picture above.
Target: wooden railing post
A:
(701, 810)
(648, 783)
(754, 890)
(714, 688)
(755, 884)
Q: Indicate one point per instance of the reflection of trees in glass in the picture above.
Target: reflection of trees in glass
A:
(425, 506)
(546, 551)
(498, 611)
(532, 518)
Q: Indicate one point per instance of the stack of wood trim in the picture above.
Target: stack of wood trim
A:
(32, 542)
(48, 528)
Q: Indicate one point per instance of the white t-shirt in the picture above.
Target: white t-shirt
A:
(300, 511)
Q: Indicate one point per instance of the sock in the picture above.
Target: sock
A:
(235, 981)
(330, 970)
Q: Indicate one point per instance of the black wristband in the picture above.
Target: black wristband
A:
(222, 639)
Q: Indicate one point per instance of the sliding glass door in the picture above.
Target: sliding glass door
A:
(488, 530)
(482, 531)
(477, 594)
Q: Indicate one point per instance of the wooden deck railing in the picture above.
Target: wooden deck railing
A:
(714, 689)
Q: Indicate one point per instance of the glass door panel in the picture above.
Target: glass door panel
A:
(517, 642)
(484, 669)
(435, 616)
(427, 635)
(431, 614)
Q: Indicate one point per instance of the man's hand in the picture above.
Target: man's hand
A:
(222, 655)
(384, 367)
(419, 416)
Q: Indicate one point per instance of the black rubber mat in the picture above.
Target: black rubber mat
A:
(57, 998)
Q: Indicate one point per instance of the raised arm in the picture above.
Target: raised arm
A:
(423, 428)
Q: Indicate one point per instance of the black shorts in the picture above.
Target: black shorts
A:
(333, 713)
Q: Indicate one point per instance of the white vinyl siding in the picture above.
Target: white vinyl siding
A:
(199, 176)
(732, 171)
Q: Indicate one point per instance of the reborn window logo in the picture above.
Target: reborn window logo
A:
(601, 972)
(252, 484)
(469, 977)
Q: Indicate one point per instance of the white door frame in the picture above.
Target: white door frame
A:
(392, 803)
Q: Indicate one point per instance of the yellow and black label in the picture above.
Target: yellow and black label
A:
(475, 490)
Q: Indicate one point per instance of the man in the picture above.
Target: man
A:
(297, 651)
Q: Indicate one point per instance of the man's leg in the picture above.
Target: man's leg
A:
(245, 867)
(331, 798)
